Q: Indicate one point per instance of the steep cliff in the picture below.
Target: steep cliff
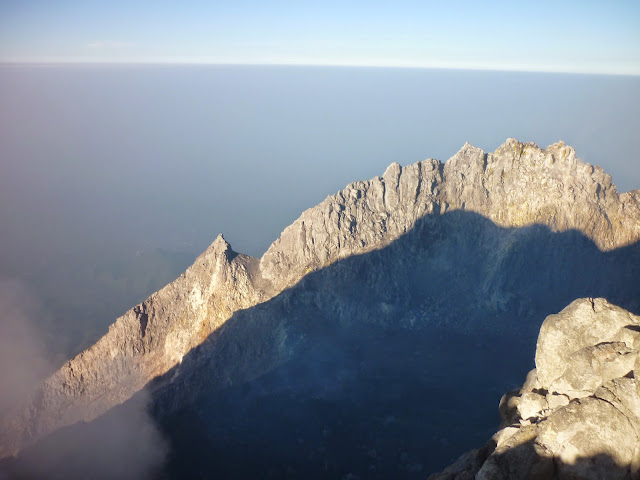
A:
(467, 222)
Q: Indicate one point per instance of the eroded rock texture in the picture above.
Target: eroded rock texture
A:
(578, 414)
(518, 185)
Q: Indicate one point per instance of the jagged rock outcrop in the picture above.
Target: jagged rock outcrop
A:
(517, 185)
(578, 413)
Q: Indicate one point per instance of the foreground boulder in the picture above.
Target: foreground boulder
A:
(577, 416)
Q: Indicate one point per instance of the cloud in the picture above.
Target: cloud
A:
(125, 443)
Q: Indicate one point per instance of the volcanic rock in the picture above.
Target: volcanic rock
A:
(465, 222)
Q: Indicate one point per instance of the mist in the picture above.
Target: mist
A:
(115, 177)
(125, 443)
(24, 360)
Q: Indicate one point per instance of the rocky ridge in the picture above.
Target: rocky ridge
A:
(578, 413)
(518, 184)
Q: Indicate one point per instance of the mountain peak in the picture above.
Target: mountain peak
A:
(392, 172)
(516, 185)
(220, 245)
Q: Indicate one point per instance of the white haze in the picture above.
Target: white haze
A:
(113, 178)
(125, 444)
(23, 357)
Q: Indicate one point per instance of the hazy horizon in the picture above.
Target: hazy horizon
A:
(196, 62)
(116, 177)
(587, 37)
(133, 133)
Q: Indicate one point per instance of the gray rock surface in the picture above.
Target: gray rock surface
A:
(578, 413)
(517, 185)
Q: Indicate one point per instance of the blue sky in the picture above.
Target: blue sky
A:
(570, 36)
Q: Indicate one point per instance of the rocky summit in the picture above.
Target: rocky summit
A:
(363, 340)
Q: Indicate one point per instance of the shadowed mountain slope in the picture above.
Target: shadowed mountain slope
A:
(464, 257)
(388, 363)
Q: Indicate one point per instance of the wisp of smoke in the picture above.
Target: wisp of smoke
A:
(23, 360)
(123, 443)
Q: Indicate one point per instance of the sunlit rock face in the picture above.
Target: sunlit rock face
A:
(466, 246)
(145, 342)
(578, 413)
(515, 186)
